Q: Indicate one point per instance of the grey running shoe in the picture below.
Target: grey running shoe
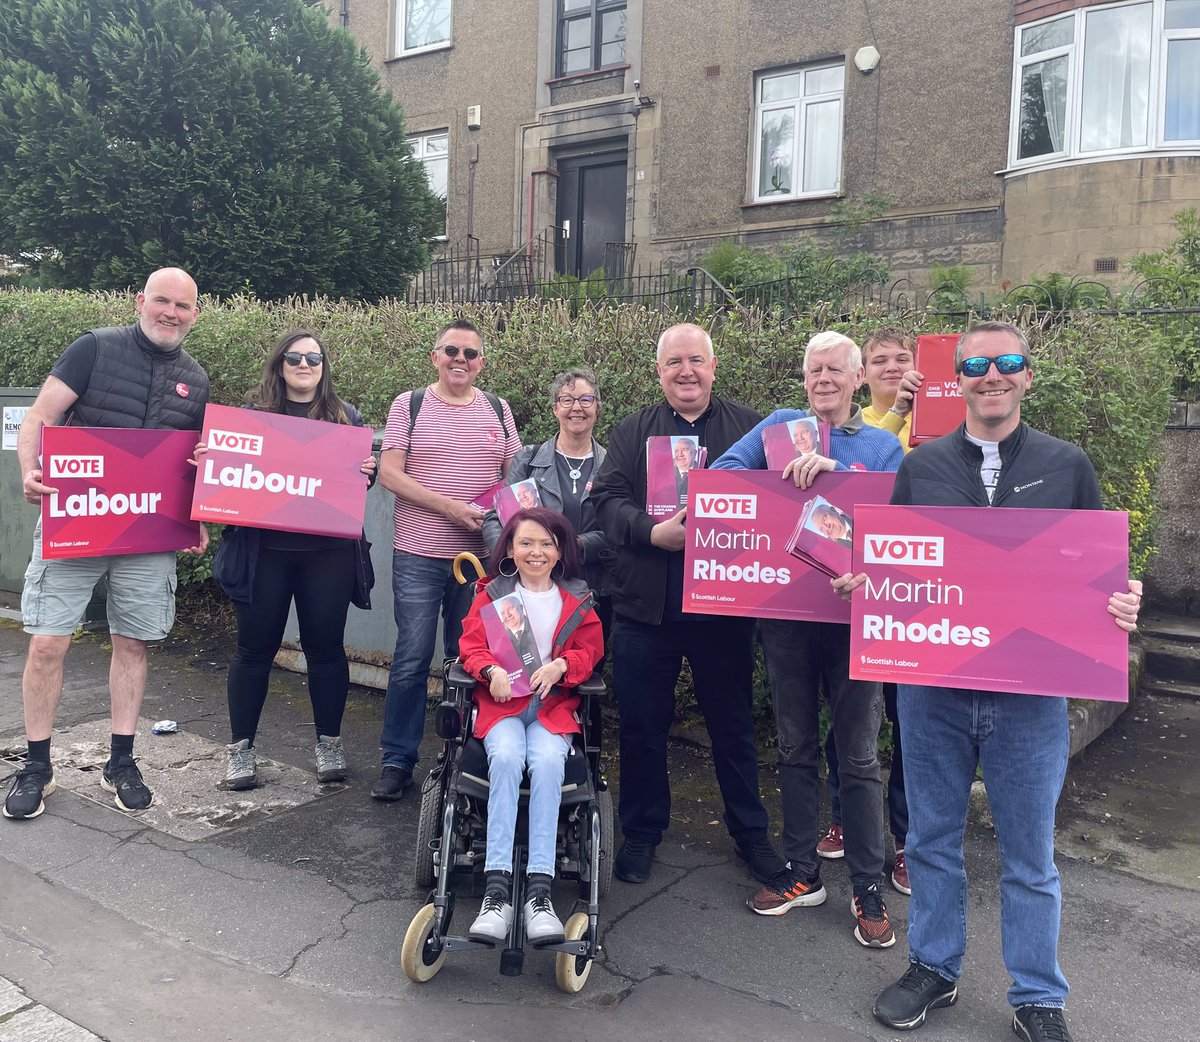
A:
(241, 772)
(124, 780)
(331, 760)
(32, 782)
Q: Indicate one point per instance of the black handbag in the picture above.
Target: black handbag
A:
(364, 574)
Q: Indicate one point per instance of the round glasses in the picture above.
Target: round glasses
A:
(565, 401)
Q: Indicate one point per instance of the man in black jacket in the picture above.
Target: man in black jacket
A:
(1021, 740)
(651, 636)
(135, 376)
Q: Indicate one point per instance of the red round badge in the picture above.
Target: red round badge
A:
(182, 390)
(858, 466)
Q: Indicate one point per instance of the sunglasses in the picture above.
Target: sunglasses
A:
(980, 364)
(469, 353)
(567, 400)
(294, 358)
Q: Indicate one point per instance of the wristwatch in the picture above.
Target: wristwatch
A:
(485, 674)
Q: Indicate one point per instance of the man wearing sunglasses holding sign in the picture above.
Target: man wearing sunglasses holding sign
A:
(446, 446)
(1021, 740)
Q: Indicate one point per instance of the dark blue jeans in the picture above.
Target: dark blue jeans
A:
(423, 588)
(646, 665)
(897, 802)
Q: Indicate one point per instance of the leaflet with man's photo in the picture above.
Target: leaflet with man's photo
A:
(784, 442)
(824, 537)
(485, 499)
(670, 458)
(521, 495)
(938, 406)
(510, 641)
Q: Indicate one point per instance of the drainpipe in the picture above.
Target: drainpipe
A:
(344, 14)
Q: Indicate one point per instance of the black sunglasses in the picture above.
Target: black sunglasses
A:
(469, 353)
(311, 357)
(980, 364)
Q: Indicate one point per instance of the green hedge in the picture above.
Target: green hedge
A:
(1101, 382)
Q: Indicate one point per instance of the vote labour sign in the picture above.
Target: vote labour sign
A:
(991, 600)
(739, 523)
(117, 491)
(286, 473)
(938, 406)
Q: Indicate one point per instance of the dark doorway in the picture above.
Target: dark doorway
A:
(591, 209)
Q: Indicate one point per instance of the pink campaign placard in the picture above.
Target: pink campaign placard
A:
(282, 472)
(738, 526)
(991, 600)
(120, 491)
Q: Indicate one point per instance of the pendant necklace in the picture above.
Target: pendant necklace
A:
(575, 471)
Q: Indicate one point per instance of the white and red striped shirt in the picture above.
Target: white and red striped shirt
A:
(458, 451)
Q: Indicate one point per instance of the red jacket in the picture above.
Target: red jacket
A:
(578, 638)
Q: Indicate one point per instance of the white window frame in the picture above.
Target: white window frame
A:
(401, 51)
(1073, 130)
(418, 142)
(800, 106)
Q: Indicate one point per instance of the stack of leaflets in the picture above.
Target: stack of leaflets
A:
(938, 406)
(669, 460)
(511, 641)
(522, 495)
(823, 537)
(784, 442)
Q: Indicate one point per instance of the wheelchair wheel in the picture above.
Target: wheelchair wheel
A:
(572, 971)
(605, 803)
(418, 961)
(429, 821)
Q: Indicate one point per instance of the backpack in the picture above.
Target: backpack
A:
(414, 407)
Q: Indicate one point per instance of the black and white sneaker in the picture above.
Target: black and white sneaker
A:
(26, 797)
(1040, 1024)
(904, 1005)
(124, 781)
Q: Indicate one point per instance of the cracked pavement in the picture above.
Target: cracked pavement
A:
(289, 924)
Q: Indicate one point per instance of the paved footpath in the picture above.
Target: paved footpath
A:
(278, 914)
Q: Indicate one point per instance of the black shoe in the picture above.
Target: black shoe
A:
(903, 1005)
(392, 783)
(124, 781)
(32, 782)
(761, 859)
(634, 860)
(1041, 1024)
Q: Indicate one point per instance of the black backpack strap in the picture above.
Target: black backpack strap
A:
(414, 407)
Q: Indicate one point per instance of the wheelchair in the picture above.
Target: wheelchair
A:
(451, 842)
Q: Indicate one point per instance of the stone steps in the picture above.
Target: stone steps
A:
(1172, 647)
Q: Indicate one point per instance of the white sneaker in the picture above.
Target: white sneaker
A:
(241, 768)
(494, 919)
(542, 926)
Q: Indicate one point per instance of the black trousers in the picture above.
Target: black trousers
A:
(320, 582)
(646, 664)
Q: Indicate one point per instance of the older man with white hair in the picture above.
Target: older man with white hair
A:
(805, 657)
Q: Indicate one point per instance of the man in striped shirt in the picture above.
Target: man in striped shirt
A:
(437, 458)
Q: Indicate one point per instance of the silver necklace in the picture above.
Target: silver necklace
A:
(575, 471)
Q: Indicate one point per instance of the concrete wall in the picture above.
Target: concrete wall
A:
(1174, 580)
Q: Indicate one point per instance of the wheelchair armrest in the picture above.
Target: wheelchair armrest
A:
(593, 687)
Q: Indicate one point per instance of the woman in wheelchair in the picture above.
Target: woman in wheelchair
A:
(537, 559)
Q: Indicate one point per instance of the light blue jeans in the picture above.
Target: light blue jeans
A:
(511, 744)
(1022, 742)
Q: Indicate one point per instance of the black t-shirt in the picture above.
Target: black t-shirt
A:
(575, 508)
(74, 367)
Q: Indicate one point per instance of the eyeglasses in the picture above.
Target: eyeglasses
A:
(565, 401)
(469, 353)
(1005, 364)
(294, 358)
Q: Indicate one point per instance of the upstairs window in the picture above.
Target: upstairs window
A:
(421, 25)
(798, 132)
(591, 35)
(1122, 77)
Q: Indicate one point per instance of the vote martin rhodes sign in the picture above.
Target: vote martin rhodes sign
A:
(739, 523)
(118, 491)
(285, 473)
(991, 600)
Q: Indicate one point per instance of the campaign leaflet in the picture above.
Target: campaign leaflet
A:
(285, 473)
(670, 459)
(938, 406)
(736, 560)
(487, 499)
(521, 495)
(823, 537)
(510, 640)
(992, 600)
(118, 491)
(784, 442)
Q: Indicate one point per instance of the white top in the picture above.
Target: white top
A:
(989, 470)
(543, 611)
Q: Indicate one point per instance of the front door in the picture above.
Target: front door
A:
(591, 209)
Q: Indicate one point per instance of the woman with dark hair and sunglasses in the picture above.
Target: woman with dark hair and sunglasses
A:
(537, 559)
(263, 571)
